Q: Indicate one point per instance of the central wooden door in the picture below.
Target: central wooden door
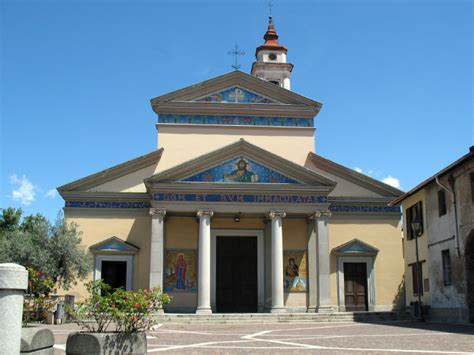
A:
(236, 275)
(355, 287)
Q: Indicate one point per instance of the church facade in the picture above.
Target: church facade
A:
(235, 212)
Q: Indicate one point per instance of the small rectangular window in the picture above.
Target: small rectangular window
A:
(442, 202)
(415, 280)
(414, 212)
(446, 258)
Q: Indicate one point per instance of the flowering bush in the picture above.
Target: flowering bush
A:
(131, 311)
(37, 301)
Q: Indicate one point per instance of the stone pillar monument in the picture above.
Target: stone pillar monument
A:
(13, 283)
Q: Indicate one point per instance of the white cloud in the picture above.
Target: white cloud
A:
(52, 193)
(390, 180)
(25, 191)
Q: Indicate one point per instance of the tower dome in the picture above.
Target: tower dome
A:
(270, 64)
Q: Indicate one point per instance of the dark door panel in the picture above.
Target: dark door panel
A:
(236, 274)
(355, 287)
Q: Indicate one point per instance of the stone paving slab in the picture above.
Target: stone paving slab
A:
(311, 338)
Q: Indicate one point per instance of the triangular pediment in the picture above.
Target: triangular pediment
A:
(114, 245)
(235, 87)
(351, 183)
(124, 177)
(355, 246)
(258, 167)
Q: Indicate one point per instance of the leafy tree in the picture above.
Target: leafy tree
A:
(54, 250)
(10, 218)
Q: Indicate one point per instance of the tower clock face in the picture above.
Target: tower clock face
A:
(272, 56)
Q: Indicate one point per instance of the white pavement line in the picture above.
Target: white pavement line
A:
(181, 331)
(196, 345)
(60, 346)
(252, 337)
(308, 346)
(322, 336)
(309, 328)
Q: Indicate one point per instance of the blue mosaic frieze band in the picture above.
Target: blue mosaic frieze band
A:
(365, 209)
(241, 170)
(236, 95)
(239, 198)
(236, 120)
(236, 198)
(107, 204)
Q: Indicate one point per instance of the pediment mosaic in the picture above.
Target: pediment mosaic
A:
(241, 170)
(236, 95)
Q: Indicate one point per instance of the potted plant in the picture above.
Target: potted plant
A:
(129, 312)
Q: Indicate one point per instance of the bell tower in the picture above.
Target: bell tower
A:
(270, 64)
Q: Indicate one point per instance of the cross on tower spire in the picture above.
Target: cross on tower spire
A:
(270, 5)
(236, 52)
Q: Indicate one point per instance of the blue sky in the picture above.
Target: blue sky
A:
(394, 77)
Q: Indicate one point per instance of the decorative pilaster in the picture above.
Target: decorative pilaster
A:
(278, 305)
(157, 247)
(321, 219)
(204, 261)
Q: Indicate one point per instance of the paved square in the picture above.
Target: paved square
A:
(307, 337)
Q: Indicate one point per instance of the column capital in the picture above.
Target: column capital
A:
(204, 213)
(158, 212)
(275, 214)
(320, 214)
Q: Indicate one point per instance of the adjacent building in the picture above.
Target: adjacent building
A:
(235, 212)
(444, 207)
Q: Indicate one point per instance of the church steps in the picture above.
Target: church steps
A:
(283, 318)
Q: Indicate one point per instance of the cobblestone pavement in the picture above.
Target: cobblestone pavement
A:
(305, 337)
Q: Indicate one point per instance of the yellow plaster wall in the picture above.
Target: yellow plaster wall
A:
(132, 182)
(383, 234)
(245, 223)
(295, 236)
(134, 228)
(182, 232)
(182, 143)
(410, 250)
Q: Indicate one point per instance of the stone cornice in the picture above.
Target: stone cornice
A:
(112, 173)
(105, 196)
(235, 78)
(353, 176)
(241, 109)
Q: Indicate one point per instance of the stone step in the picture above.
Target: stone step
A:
(288, 317)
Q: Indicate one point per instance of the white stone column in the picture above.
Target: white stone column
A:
(204, 261)
(312, 266)
(156, 247)
(13, 283)
(324, 272)
(278, 305)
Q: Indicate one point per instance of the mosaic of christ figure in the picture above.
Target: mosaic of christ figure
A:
(241, 174)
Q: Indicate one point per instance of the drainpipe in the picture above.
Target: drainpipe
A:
(453, 194)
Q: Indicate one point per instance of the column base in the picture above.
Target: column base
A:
(278, 310)
(326, 309)
(312, 309)
(204, 311)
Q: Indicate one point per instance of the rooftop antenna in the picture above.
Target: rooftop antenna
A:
(236, 52)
